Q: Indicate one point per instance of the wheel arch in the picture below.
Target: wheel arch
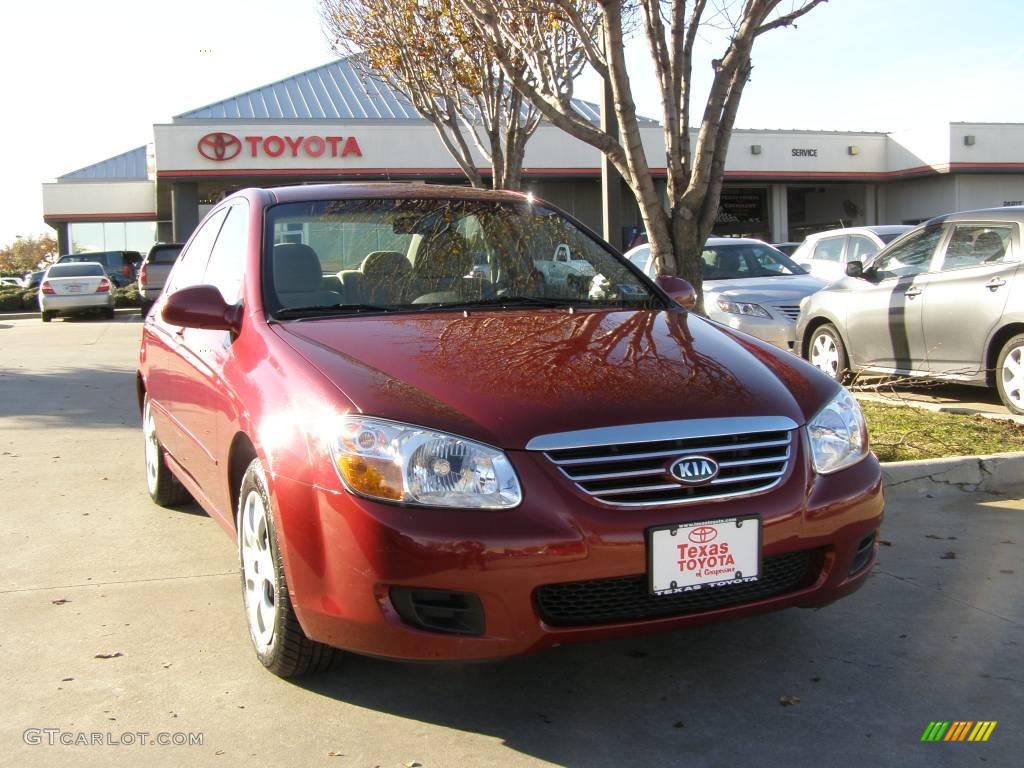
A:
(813, 325)
(995, 346)
(240, 455)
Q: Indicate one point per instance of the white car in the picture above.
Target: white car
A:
(563, 272)
(12, 281)
(749, 286)
(75, 287)
(825, 254)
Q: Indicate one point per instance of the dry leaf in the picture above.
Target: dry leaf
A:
(61, 601)
(113, 655)
(413, 764)
(948, 556)
(933, 536)
(679, 724)
(335, 754)
(789, 701)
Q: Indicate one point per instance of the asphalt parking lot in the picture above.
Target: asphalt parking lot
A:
(92, 568)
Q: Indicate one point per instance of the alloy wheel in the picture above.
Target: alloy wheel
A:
(1012, 374)
(825, 354)
(258, 571)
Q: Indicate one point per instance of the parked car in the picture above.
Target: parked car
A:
(33, 279)
(471, 466)
(153, 272)
(749, 286)
(825, 254)
(786, 248)
(946, 301)
(121, 266)
(13, 282)
(76, 287)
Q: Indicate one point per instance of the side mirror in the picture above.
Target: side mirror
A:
(679, 290)
(855, 269)
(202, 306)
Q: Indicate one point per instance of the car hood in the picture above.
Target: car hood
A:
(781, 288)
(505, 377)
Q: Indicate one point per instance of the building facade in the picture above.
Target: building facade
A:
(334, 124)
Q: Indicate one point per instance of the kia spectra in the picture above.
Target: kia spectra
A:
(424, 448)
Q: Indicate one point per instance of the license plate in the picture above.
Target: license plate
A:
(75, 287)
(692, 556)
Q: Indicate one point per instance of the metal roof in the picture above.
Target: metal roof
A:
(338, 90)
(127, 165)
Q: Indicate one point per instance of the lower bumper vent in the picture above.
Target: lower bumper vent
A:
(606, 601)
(457, 613)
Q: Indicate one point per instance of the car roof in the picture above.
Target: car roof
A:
(1013, 213)
(393, 190)
(877, 229)
(733, 241)
(77, 264)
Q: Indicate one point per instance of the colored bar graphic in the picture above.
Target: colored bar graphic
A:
(959, 730)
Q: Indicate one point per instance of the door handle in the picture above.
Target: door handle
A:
(912, 293)
(995, 283)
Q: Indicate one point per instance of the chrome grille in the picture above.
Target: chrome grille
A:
(630, 466)
(792, 311)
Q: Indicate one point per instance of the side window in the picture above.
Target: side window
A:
(189, 268)
(860, 248)
(911, 257)
(227, 262)
(974, 244)
(829, 249)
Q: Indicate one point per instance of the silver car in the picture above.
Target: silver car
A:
(825, 254)
(945, 301)
(749, 286)
(75, 287)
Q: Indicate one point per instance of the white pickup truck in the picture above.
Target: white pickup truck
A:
(563, 272)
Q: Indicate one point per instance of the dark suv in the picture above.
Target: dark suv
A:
(121, 266)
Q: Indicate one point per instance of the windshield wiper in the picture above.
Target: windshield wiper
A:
(500, 301)
(315, 310)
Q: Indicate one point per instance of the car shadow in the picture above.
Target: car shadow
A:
(69, 397)
(863, 676)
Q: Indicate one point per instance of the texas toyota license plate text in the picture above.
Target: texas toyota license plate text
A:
(707, 554)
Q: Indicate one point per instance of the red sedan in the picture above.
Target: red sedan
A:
(429, 446)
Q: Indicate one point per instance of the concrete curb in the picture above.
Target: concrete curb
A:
(1000, 473)
(938, 407)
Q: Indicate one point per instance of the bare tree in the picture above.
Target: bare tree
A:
(677, 225)
(429, 50)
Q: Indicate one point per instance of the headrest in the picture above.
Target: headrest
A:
(384, 266)
(989, 245)
(444, 255)
(296, 268)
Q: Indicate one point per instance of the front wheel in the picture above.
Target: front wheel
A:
(1010, 374)
(827, 352)
(46, 316)
(164, 488)
(279, 641)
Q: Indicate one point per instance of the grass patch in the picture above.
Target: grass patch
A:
(902, 433)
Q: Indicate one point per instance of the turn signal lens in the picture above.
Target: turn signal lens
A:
(47, 288)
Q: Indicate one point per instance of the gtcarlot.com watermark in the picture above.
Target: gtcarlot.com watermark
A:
(53, 737)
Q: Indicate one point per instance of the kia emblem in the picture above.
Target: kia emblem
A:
(703, 535)
(219, 146)
(694, 470)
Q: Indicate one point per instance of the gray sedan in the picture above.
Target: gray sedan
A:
(749, 286)
(945, 301)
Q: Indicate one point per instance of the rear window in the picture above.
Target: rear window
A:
(166, 255)
(75, 270)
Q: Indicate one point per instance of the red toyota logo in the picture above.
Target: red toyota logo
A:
(703, 535)
(219, 146)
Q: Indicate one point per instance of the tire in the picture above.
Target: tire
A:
(109, 313)
(280, 644)
(1010, 374)
(46, 316)
(164, 488)
(827, 353)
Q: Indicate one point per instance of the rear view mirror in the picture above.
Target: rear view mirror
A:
(855, 269)
(679, 290)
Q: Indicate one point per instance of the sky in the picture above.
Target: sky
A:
(83, 81)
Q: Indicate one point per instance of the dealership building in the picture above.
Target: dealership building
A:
(335, 124)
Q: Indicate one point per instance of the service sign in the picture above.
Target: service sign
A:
(704, 555)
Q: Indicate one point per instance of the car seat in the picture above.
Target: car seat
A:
(298, 277)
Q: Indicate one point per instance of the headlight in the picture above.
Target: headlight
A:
(404, 463)
(742, 308)
(838, 435)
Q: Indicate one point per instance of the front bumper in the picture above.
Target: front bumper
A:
(343, 555)
(75, 302)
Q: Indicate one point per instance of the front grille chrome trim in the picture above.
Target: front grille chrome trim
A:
(674, 452)
(659, 430)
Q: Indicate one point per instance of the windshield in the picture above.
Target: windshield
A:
(890, 236)
(340, 256)
(736, 261)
